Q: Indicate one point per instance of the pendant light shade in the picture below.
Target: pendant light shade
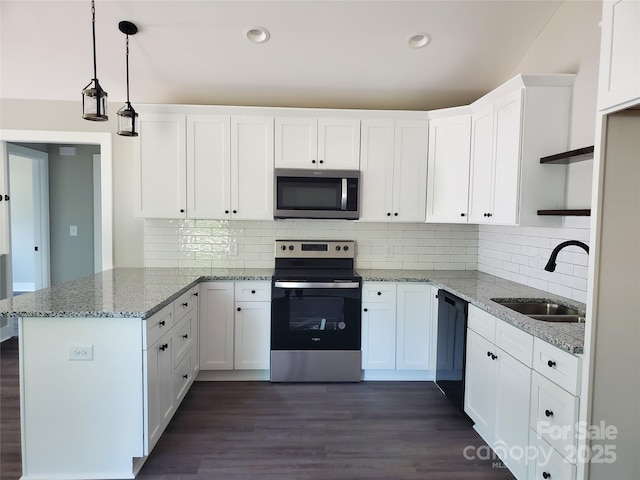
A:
(94, 98)
(127, 116)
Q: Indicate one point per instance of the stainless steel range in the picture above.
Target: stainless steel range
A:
(316, 299)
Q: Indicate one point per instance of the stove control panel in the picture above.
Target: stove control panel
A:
(315, 249)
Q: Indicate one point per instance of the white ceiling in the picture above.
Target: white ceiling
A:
(333, 54)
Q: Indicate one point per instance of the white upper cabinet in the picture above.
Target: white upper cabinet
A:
(619, 84)
(208, 165)
(329, 143)
(252, 168)
(394, 170)
(448, 169)
(511, 129)
(481, 169)
(506, 167)
(205, 166)
(160, 161)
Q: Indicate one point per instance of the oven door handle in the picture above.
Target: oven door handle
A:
(283, 284)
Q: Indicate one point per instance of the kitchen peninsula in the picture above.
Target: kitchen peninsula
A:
(85, 348)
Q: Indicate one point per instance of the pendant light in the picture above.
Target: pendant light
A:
(94, 98)
(127, 115)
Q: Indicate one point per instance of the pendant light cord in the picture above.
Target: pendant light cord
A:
(127, 55)
(93, 27)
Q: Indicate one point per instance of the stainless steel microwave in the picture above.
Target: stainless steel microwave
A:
(300, 193)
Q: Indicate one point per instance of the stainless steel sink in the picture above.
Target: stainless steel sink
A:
(540, 309)
(559, 318)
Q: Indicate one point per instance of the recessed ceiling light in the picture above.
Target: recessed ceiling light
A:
(257, 34)
(418, 40)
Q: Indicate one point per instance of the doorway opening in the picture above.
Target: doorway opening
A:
(98, 255)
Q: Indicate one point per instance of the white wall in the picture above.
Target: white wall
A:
(569, 44)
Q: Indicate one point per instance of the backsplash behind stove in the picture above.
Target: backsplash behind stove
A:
(250, 244)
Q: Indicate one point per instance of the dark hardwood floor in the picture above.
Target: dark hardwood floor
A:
(259, 430)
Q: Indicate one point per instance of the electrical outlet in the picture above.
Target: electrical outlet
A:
(73, 230)
(81, 352)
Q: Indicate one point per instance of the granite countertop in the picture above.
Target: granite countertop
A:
(141, 292)
(121, 292)
(479, 288)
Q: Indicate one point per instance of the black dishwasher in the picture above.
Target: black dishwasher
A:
(452, 334)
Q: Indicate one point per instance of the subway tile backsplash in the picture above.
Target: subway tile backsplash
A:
(515, 253)
(250, 244)
(520, 254)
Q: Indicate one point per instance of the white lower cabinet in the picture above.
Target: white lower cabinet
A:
(169, 367)
(497, 387)
(235, 325)
(252, 335)
(396, 326)
(554, 413)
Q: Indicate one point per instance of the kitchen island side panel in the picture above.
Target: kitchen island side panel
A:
(81, 397)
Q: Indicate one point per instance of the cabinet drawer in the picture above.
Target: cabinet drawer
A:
(185, 303)
(159, 324)
(554, 414)
(546, 463)
(253, 291)
(557, 365)
(378, 292)
(515, 342)
(182, 377)
(182, 338)
(482, 323)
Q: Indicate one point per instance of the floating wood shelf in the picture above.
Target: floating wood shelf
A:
(572, 212)
(572, 156)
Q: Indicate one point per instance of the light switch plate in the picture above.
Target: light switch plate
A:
(73, 230)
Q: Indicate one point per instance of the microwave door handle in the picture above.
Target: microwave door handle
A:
(343, 202)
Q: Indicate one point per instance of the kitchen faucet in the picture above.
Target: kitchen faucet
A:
(551, 264)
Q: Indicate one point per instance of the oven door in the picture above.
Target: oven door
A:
(316, 315)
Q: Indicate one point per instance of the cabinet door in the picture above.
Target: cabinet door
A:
(619, 53)
(506, 185)
(481, 174)
(252, 335)
(512, 397)
(448, 169)
(252, 168)
(410, 171)
(296, 142)
(208, 166)
(338, 143)
(413, 326)
(479, 384)
(161, 171)
(379, 336)
(154, 424)
(216, 325)
(376, 166)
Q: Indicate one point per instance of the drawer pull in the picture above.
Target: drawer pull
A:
(239, 309)
(548, 413)
(185, 304)
(366, 309)
(492, 355)
(164, 347)
(551, 363)
(253, 291)
(161, 323)
(195, 294)
(185, 376)
(379, 293)
(546, 475)
(185, 336)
